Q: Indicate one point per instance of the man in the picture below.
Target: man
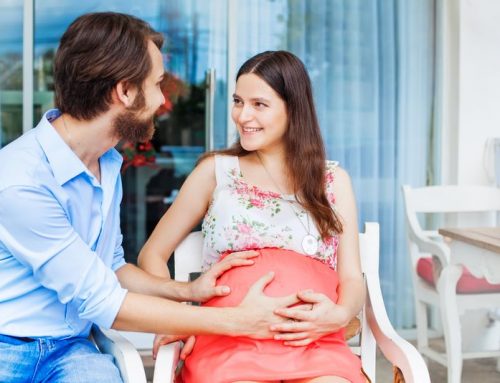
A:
(61, 260)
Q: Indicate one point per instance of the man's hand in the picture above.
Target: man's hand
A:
(317, 317)
(257, 310)
(204, 288)
(161, 340)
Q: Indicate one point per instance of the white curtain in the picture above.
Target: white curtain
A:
(372, 67)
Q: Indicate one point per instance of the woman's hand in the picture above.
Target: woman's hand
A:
(316, 317)
(204, 288)
(161, 340)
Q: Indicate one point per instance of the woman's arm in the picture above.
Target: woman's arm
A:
(186, 212)
(351, 283)
(320, 316)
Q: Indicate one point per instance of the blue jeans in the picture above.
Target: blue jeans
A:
(41, 360)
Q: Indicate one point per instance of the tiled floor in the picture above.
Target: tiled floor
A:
(474, 371)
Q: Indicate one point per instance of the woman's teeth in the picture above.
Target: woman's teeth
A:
(251, 130)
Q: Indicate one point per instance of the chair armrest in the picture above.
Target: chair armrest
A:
(166, 362)
(435, 247)
(127, 358)
(397, 350)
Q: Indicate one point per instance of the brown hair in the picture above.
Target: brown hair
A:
(305, 152)
(97, 51)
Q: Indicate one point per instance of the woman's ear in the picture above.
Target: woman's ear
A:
(125, 94)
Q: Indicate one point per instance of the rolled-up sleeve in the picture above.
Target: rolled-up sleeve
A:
(37, 232)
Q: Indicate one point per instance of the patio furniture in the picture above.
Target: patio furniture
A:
(439, 279)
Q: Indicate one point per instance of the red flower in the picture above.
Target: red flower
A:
(141, 154)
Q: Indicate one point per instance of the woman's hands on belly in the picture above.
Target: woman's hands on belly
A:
(316, 317)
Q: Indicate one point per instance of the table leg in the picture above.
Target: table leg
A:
(446, 287)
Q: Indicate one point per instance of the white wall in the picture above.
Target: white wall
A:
(471, 98)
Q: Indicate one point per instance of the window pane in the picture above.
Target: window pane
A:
(195, 40)
(11, 70)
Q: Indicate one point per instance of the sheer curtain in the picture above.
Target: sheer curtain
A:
(372, 67)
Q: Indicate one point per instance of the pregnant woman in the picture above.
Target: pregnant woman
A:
(273, 192)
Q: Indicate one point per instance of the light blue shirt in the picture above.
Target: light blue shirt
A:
(60, 238)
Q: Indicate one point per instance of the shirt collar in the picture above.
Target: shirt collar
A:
(64, 162)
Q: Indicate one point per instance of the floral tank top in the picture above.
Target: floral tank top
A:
(243, 217)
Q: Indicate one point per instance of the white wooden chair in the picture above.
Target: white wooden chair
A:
(429, 253)
(376, 328)
(126, 356)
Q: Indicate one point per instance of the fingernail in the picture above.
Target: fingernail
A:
(272, 328)
(277, 337)
(226, 290)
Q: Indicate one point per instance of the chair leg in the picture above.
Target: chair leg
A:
(447, 285)
(422, 325)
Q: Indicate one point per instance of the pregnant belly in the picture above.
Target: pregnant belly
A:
(293, 272)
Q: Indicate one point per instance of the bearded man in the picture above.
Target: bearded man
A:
(61, 260)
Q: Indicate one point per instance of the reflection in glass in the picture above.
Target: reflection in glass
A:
(11, 70)
(195, 34)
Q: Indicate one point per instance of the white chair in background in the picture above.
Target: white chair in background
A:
(429, 254)
(376, 327)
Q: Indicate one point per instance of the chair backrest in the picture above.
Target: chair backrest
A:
(459, 205)
(188, 259)
(452, 199)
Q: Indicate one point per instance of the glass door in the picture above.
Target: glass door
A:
(11, 71)
(195, 40)
(195, 51)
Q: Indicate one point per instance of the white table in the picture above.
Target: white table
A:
(478, 249)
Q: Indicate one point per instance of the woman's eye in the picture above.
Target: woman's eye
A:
(260, 105)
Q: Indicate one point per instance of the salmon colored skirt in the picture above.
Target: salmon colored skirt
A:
(224, 359)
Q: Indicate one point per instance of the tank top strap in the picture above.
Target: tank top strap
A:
(331, 166)
(226, 169)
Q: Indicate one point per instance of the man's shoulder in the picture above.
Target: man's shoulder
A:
(22, 162)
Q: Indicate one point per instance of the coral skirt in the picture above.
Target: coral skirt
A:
(223, 359)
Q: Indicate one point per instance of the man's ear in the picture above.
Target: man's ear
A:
(125, 94)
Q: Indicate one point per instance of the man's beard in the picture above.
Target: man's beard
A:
(130, 126)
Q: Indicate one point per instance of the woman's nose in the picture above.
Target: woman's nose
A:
(245, 114)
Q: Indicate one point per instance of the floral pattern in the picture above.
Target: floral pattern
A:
(244, 217)
(252, 196)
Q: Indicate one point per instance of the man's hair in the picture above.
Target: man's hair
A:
(97, 51)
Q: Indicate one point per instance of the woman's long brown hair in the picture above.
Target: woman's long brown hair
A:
(305, 152)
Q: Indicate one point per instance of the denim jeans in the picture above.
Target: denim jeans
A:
(41, 360)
